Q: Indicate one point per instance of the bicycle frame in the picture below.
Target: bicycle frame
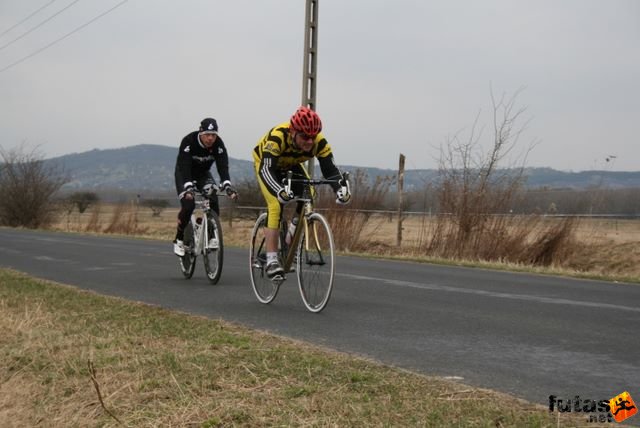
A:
(307, 200)
(203, 205)
(201, 229)
(295, 240)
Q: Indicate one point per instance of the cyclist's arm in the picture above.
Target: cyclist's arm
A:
(183, 164)
(268, 151)
(327, 165)
(268, 173)
(222, 161)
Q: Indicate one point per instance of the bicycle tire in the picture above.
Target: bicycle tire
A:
(315, 266)
(213, 258)
(264, 288)
(188, 261)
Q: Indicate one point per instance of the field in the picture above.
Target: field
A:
(607, 248)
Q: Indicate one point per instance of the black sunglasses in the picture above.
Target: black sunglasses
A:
(306, 136)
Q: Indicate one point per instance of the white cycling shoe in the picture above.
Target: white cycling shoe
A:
(178, 248)
(274, 271)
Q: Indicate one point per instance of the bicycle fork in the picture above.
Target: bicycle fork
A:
(200, 231)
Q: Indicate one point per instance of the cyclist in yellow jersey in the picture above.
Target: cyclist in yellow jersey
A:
(285, 148)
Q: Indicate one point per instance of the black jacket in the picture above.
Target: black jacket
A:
(194, 160)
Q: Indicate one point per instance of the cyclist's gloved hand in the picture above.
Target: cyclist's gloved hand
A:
(188, 190)
(343, 195)
(231, 192)
(284, 196)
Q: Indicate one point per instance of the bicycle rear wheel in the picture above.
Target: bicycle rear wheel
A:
(315, 267)
(264, 289)
(188, 261)
(214, 253)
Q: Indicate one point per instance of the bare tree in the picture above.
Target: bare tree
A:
(477, 191)
(27, 188)
(472, 184)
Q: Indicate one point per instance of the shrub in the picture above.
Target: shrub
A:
(27, 189)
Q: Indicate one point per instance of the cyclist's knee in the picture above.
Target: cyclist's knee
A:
(188, 205)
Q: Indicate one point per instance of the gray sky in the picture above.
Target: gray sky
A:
(393, 76)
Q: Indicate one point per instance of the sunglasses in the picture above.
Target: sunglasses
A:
(306, 136)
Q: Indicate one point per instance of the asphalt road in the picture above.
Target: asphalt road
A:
(528, 335)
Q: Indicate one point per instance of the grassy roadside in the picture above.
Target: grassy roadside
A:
(63, 350)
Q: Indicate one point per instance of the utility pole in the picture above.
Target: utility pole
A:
(400, 199)
(309, 72)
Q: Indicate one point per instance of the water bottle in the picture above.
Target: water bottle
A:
(291, 230)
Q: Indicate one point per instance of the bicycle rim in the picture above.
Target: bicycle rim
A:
(188, 261)
(315, 265)
(264, 289)
(213, 257)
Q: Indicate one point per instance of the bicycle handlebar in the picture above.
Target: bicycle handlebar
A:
(287, 181)
(219, 192)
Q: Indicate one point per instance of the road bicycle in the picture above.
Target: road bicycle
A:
(204, 222)
(311, 252)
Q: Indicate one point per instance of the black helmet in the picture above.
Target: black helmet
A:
(209, 126)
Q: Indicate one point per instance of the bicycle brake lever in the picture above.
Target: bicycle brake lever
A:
(287, 186)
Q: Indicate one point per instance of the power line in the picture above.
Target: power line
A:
(9, 29)
(63, 37)
(39, 25)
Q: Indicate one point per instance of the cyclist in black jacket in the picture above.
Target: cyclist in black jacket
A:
(198, 151)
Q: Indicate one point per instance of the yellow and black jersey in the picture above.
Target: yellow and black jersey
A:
(275, 154)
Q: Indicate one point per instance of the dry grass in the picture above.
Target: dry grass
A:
(598, 247)
(73, 358)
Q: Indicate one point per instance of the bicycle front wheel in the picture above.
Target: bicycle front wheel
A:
(315, 266)
(188, 261)
(214, 251)
(264, 289)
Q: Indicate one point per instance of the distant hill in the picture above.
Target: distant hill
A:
(149, 168)
(145, 167)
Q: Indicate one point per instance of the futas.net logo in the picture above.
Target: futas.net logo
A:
(618, 408)
(622, 407)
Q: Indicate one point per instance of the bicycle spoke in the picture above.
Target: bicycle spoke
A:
(264, 289)
(188, 261)
(315, 267)
(214, 254)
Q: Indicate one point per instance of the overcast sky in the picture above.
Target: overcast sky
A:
(394, 77)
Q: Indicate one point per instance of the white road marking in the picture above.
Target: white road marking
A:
(512, 296)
